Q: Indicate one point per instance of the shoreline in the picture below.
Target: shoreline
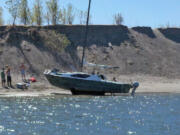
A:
(40, 94)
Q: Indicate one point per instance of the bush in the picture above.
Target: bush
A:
(54, 40)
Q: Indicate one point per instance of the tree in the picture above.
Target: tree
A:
(1, 18)
(37, 13)
(60, 16)
(67, 15)
(63, 16)
(31, 18)
(118, 19)
(13, 7)
(83, 17)
(70, 14)
(24, 13)
(47, 18)
(52, 6)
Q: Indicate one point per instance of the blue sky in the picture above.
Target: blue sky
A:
(154, 13)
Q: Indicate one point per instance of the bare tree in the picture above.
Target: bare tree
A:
(13, 7)
(53, 8)
(70, 14)
(118, 19)
(83, 17)
(60, 16)
(47, 18)
(63, 16)
(1, 18)
(24, 12)
(37, 13)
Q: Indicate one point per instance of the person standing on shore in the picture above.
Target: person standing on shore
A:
(3, 77)
(22, 69)
(8, 73)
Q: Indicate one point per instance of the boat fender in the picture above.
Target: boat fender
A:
(135, 86)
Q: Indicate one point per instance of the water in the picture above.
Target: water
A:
(149, 114)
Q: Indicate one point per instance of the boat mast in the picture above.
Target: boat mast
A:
(86, 35)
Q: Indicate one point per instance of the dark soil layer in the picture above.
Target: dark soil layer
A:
(145, 30)
(172, 34)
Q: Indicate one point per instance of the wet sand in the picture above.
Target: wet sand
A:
(148, 84)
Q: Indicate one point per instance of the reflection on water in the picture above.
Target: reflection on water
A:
(73, 115)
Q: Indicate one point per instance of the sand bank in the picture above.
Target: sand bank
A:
(148, 84)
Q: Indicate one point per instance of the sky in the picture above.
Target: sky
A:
(153, 13)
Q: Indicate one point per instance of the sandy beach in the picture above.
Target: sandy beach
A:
(148, 84)
(153, 84)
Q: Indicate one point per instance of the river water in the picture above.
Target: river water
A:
(144, 114)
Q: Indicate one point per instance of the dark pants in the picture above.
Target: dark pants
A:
(9, 81)
(3, 82)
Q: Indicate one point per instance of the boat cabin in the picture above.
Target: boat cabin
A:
(84, 76)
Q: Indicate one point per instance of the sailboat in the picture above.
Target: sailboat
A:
(84, 83)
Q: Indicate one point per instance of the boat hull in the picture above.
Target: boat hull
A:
(80, 86)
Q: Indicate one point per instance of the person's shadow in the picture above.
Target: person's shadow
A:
(12, 87)
(6, 87)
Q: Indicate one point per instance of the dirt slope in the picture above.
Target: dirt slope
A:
(139, 50)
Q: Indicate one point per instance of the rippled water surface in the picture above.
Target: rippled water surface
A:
(149, 114)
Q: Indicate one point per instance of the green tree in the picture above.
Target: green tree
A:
(31, 18)
(1, 18)
(67, 15)
(37, 13)
(53, 8)
(13, 7)
(118, 19)
(24, 12)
